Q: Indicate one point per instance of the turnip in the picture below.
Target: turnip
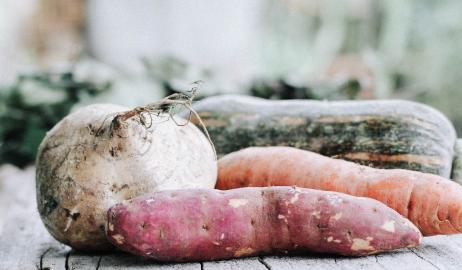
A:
(103, 154)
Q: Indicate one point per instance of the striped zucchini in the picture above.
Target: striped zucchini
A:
(382, 134)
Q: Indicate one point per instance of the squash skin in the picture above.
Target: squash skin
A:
(382, 134)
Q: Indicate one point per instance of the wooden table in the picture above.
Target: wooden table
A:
(25, 244)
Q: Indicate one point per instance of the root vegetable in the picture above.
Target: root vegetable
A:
(432, 203)
(103, 154)
(207, 224)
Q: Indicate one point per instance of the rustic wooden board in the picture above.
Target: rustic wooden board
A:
(25, 244)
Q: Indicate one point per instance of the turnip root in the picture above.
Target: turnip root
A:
(103, 154)
(207, 224)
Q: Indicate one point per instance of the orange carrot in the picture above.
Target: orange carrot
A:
(432, 203)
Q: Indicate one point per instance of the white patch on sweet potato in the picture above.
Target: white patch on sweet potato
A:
(337, 216)
(235, 203)
(316, 214)
(283, 218)
(294, 198)
(222, 236)
(243, 252)
(145, 246)
(409, 224)
(389, 226)
(119, 239)
(216, 243)
(150, 200)
(334, 199)
(111, 227)
(331, 239)
(361, 244)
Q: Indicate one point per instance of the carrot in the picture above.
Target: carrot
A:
(432, 203)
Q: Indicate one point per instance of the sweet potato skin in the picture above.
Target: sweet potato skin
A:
(207, 224)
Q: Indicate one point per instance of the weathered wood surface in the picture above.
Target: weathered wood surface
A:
(25, 244)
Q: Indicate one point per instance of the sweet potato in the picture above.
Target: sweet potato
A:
(208, 224)
(432, 203)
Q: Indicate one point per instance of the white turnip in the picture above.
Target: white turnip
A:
(103, 154)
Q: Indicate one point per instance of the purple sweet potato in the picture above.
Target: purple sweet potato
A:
(207, 224)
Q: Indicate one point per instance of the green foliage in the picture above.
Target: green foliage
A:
(33, 105)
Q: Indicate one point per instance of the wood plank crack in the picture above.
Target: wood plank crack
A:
(262, 261)
(381, 265)
(424, 259)
(99, 262)
(66, 264)
(41, 258)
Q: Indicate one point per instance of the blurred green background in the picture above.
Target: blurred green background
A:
(58, 55)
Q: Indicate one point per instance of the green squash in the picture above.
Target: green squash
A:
(381, 134)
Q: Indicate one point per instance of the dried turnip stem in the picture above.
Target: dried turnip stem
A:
(164, 106)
